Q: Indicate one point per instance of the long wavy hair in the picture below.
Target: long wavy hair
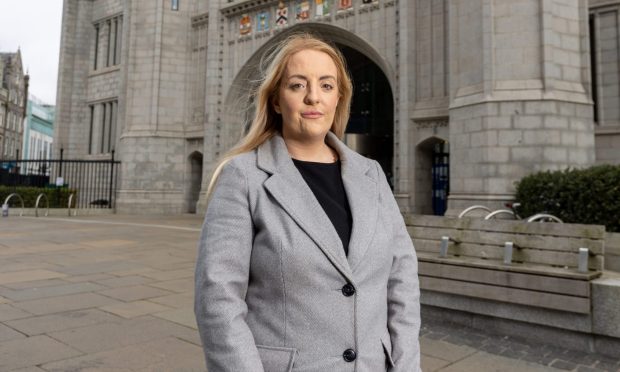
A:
(266, 122)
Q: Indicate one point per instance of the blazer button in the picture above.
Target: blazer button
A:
(348, 290)
(349, 355)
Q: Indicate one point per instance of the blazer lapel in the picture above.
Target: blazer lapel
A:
(291, 191)
(362, 195)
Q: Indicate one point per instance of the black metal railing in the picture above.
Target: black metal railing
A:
(93, 182)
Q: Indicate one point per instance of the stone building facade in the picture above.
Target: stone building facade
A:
(457, 99)
(13, 97)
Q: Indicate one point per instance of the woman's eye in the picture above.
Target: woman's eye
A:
(296, 86)
(328, 86)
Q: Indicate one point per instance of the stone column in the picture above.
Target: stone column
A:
(519, 95)
(152, 144)
(75, 63)
(213, 124)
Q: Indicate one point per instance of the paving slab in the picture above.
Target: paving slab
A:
(28, 369)
(177, 285)
(124, 281)
(35, 283)
(133, 271)
(96, 268)
(431, 364)
(106, 336)
(8, 333)
(134, 293)
(88, 278)
(168, 354)
(107, 243)
(184, 316)
(181, 300)
(65, 303)
(481, 361)
(12, 266)
(136, 308)
(33, 351)
(28, 275)
(445, 350)
(49, 291)
(169, 274)
(9, 312)
(35, 325)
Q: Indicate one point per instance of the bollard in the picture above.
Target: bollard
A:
(583, 260)
(508, 253)
(443, 249)
(5, 210)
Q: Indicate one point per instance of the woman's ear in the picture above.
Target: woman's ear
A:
(276, 106)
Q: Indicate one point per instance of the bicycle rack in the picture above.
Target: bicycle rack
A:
(543, 216)
(69, 206)
(473, 207)
(36, 205)
(6, 201)
(498, 212)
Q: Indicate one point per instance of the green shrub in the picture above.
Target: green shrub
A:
(58, 196)
(588, 196)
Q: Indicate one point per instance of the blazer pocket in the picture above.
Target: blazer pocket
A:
(277, 359)
(386, 341)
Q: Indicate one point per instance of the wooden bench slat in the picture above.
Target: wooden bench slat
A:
(493, 252)
(505, 294)
(535, 282)
(498, 265)
(550, 243)
(509, 226)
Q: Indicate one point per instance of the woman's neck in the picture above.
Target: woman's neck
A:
(317, 151)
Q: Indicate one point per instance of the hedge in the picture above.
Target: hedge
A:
(58, 197)
(586, 196)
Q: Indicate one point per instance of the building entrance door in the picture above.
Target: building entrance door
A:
(441, 178)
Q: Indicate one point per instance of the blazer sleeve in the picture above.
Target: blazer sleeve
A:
(221, 276)
(403, 288)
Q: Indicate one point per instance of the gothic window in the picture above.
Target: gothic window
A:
(96, 46)
(90, 130)
(102, 127)
(108, 42)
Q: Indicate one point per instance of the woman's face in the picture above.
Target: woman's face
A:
(308, 96)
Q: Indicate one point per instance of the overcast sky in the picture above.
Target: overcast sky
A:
(34, 25)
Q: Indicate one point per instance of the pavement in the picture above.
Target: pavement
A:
(115, 293)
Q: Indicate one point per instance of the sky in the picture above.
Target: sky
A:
(34, 25)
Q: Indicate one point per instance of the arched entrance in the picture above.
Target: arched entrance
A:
(371, 126)
(195, 180)
(432, 176)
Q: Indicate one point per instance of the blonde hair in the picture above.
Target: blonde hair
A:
(266, 122)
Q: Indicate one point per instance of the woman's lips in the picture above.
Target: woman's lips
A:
(311, 114)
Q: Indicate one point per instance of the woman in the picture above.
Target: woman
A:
(304, 262)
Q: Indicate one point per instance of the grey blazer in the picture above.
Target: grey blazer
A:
(274, 290)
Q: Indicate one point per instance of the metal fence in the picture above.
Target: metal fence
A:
(93, 182)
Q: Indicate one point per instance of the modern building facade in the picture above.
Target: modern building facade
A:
(13, 96)
(38, 130)
(457, 99)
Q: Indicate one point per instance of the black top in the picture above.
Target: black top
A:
(325, 181)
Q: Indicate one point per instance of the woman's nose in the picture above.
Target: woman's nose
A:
(312, 95)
